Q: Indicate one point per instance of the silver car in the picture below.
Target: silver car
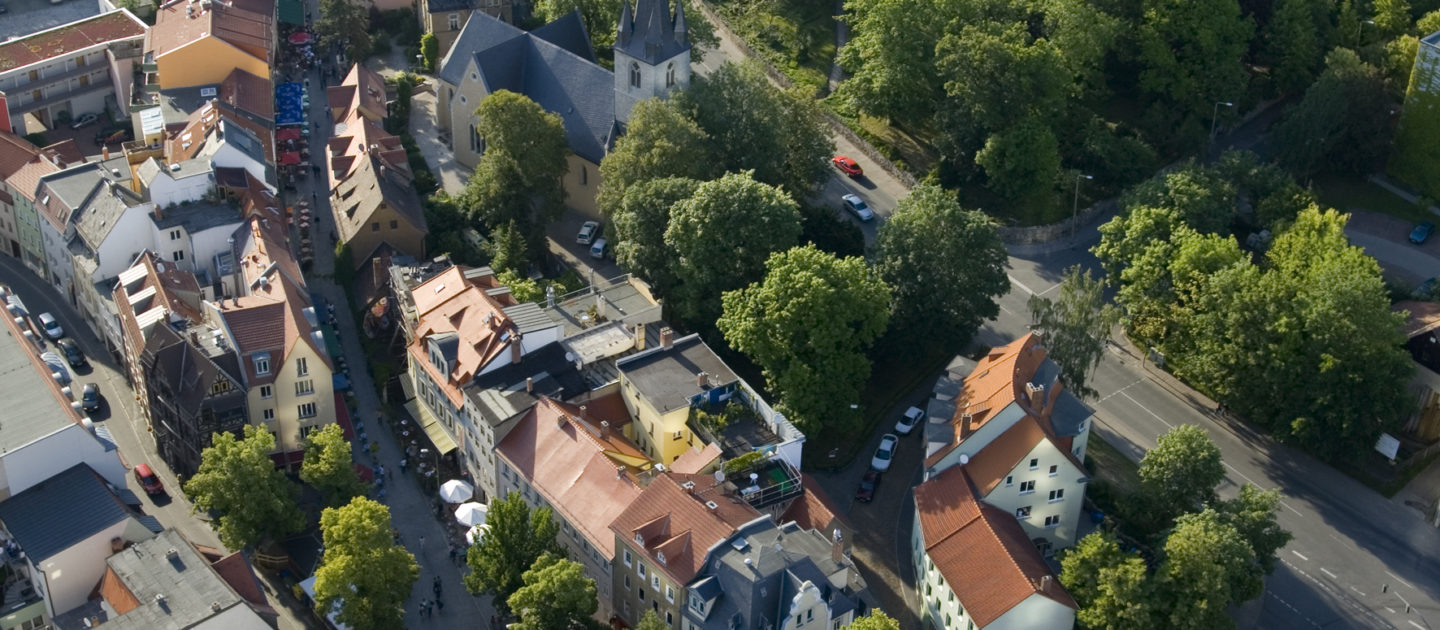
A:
(856, 206)
(52, 327)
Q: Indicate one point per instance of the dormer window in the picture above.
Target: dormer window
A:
(660, 557)
(262, 364)
(638, 540)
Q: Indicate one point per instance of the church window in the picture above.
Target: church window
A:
(634, 74)
(670, 75)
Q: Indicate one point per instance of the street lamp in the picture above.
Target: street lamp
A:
(1359, 30)
(1075, 211)
(1214, 116)
(420, 61)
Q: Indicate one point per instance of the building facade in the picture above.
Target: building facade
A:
(59, 74)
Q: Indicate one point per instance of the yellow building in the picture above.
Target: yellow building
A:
(201, 43)
(661, 385)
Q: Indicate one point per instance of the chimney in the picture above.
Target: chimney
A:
(1044, 583)
(529, 385)
(1037, 397)
(702, 380)
(560, 421)
(640, 336)
(667, 338)
(837, 546)
(517, 350)
(105, 153)
(377, 270)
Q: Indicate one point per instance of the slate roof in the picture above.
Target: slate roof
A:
(169, 593)
(500, 394)
(982, 552)
(654, 34)
(61, 511)
(553, 66)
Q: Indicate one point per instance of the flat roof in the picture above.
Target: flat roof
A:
(668, 376)
(69, 38)
(31, 16)
(26, 417)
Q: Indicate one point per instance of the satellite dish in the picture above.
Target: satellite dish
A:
(964, 459)
(719, 476)
(570, 357)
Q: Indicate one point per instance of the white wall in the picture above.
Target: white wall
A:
(166, 190)
(652, 81)
(130, 236)
(204, 245)
(57, 257)
(1067, 478)
(1035, 612)
(42, 459)
(71, 574)
(228, 156)
(237, 617)
(807, 610)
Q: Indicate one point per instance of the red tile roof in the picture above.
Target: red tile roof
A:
(27, 178)
(236, 571)
(271, 317)
(812, 510)
(678, 525)
(997, 380)
(15, 152)
(248, 28)
(695, 460)
(362, 91)
(449, 303)
(69, 38)
(574, 464)
(982, 552)
(249, 93)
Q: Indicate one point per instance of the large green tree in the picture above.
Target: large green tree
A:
(238, 480)
(721, 237)
(808, 325)
(780, 135)
(945, 266)
(601, 19)
(660, 141)
(519, 177)
(891, 47)
(556, 596)
(876, 620)
(1180, 474)
(1208, 566)
(1193, 56)
(640, 224)
(651, 621)
(1338, 127)
(1293, 45)
(1075, 327)
(347, 22)
(1021, 162)
(1203, 196)
(516, 538)
(329, 466)
(997, 75)
(1252, 514)
(363, 571)
(1112, 586)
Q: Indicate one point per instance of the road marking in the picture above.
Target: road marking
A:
(1299, 555)
(1147, 410)
(1397, 579)
(1052, 288)
(1392, 610)
(1362, 593)
(1327, 572)
(1416, 625)
(1020, 284)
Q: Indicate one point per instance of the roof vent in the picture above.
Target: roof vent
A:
(160, 598)
(712, 505)
(175, 167)
(689, 486)
(215, 606)
(619, 472)
(115, 172)
(172, 553)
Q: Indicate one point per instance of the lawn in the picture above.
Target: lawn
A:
(907, 150)
(1346, 193)
(796, 37)
(1109, 465)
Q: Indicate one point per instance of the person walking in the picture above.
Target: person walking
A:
(453, 553)
(422, 545)
(437, 587)
(420, 609)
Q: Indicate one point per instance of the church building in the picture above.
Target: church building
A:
(555, 66)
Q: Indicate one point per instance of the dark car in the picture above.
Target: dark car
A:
(90, 398)
(72, 352)
(1422, 232)
(148, 480)
(866, 491)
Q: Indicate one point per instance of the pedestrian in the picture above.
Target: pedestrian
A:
(429, 606)
(439, 604)
(420, 610)
(437, 586)
(422, 545)
(453, 553)
(402, 466)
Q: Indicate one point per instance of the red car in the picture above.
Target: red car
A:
(148, 480)
(868, 484)
(847, 165)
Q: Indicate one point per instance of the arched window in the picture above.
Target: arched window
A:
(670, 75)
(634, 74)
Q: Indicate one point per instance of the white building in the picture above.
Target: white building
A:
(65, 72)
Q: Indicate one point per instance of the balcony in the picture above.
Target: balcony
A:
(152, 83)
(148, 64)
(18, 592)
(766, 482)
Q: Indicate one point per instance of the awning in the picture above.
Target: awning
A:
(289, 157)
(342, 416)
(288, 133)
(433, 429)
(300, 38)
(292, 12)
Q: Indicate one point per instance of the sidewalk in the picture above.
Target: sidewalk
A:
(411, 508)
(451, 175)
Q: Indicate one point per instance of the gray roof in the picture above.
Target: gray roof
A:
(1069, 415)
(25, 417)
(197, 217)
(654, 34)
(545, 66)
(61, 511)
(1432, 39)
(189, 591)
(102, 213)
(32, 16)
(667, 376)
(618, 299)
(528, 317)
(501, 395)
(188, 373)
(439, 6)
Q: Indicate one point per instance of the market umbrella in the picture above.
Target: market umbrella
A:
(456, 491)
(301, 38)
(471, 513)
(474, 534)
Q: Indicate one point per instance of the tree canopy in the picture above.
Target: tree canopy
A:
(556, 596)
(516, 538)
(640, 223)
(238, 480)
(1337, 127)
(876, 620)
(519, 175)
(329, 466)
(1193, 56)
(363, 571)
(807, 325)
(1112, 586)
(348, 22)
(1179, 475)
(1075, 327)
(945, 266)
(660, 141)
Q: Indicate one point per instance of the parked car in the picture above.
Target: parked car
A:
(72, 352)
(588, 231)
(84, 120)
(52, 328)
(866, 491)
(1422, 232)
(884, 453)
(857, 207)
(913, 417)
(2, 8)
(90, 398)
(148, 480)
(597, 249)
(847, 166)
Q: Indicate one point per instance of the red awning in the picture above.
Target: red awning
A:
(288, 133)
(342, 416)
(300, 39)
(289, 157)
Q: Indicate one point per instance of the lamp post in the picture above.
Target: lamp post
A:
(1360, 30)
(1075, 211)
(420, 62)
(1215, 117)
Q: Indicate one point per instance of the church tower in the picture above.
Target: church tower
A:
(652, 54)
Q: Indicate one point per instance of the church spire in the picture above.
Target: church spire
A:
(653, 34)
(627, 24)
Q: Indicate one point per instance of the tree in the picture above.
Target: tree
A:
(659, 142)
(753, 125)
(507, 249)
(519, 175)
(996, 76)
(430, 48)
(1392, 17)
(602, 19)
(1192, 52)
(518, 536)
(1125, 237)
(640, 224)
(1336, 127)
(556, 596)
(1179, 475)
(807, 325)
(945, 266)
(891, 49)
(1208, 566)
(1075, 327)
(651, 621)
(876, 620)
(721, 237)
(1292, 44)
(238, 480)
(329, 466)
(1021, 162)
(347, 22)
(1113, 587)
(1252, 514)
(363, 571)
(1202, 196)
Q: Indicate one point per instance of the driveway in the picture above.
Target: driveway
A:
(1388, 240)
